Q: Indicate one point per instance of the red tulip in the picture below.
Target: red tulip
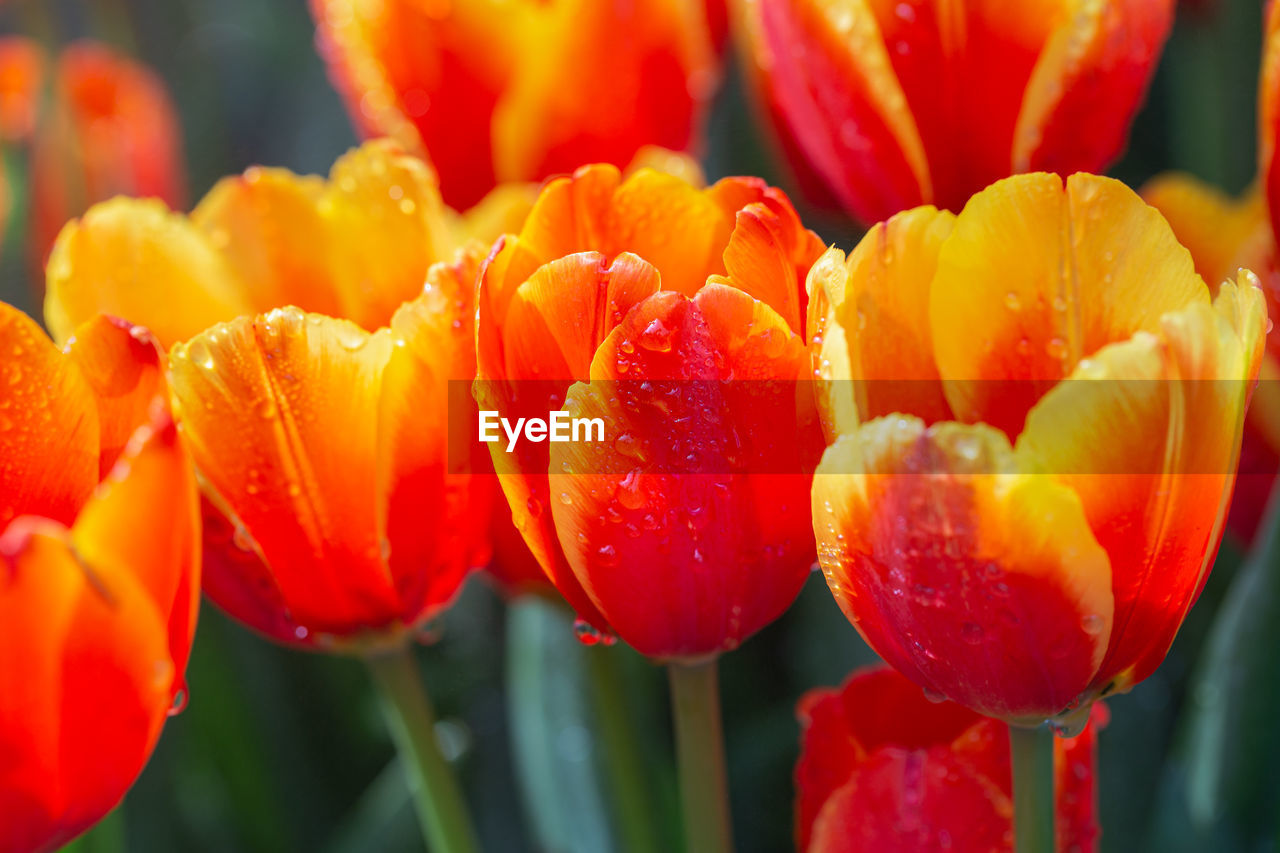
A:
(884, 770)
(21, 78)
(99, 573)
(897, 104)
(518, 91)
(636, 301)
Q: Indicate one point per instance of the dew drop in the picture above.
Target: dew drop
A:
(1092, 624)
(656, 337)
(180, 699)
(934, 696)
(590, 635)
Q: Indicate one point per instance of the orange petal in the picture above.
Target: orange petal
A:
(1170, 406)
(49, 434)
(1037, 276)
(882, 291)
(1089, 80)
(435, 520)
(974, 580)
(770, 251)
(427, 74)
(22, 69)
(1217, 229)
(86, 681)
(582, 94)
(827, 75)
(279, 412)
(124, 368)
(268, 225)
(152, 482)
(129, 258)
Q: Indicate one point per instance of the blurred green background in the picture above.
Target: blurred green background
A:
(282, 751)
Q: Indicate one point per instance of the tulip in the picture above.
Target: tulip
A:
(99, 574)
(519, 91)
(883, 770)
(894, 105)
(637, 301)
(1058, 530)
(21, 78)
(333, 517)
(111, 129)
(1226, 234)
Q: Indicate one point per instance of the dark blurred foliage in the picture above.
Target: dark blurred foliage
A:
(281, 750)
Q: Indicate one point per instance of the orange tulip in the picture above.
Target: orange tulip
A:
(518, 91)
(331, 515)
(896, 104)
(1060, 425)
(636, 301)
(883, 770)
(21, 78)
(111, 129)
(99, 573)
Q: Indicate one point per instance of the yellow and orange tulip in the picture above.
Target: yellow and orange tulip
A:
(331, 516)
(1036, 409)
(896, 103)
(99, 573)
(613, 291)
(519, 91)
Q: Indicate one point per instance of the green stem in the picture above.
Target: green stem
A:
(704, 788)
(1031, 750)
(621, 756)
(446, 825)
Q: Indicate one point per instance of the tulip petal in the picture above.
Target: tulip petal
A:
(124, 368)
(680, 545)
(435, 521)
(85, 684)
(49, 432)
(276, 410)
(1217, 229)
(427, 75)
(580, 93)
(841, 101)
(1037, 276)
(152, 481)
(884, 315)
(268, 226)
(1091, 73)
(126, 258)
(383, 204)
(770, 251)
(1146, 433)
(901, 801)
(975, 581)
(840, 728)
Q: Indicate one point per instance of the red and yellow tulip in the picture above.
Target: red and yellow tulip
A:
(331, 516)
(894, 104)
(1036, 409)
(518, 91)
(637, 301)
(884, 770)
(99, 573)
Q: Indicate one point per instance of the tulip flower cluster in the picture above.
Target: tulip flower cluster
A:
(1006, 424)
